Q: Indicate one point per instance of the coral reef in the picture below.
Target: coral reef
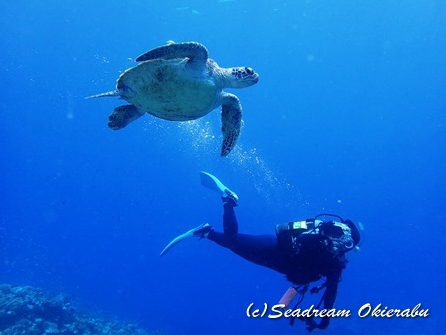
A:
(31, 311)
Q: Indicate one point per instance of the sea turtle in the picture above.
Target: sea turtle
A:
(178, 82)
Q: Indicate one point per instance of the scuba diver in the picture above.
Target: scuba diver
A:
(304, 251)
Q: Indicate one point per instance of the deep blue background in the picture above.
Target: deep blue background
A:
(348, 117)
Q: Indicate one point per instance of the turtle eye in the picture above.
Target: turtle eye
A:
(249, 70)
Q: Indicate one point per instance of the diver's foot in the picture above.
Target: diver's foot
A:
(231, 194)
(202, 231)
(230, 199)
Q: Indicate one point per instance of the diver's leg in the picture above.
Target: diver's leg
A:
(259, 249)
(230, 224)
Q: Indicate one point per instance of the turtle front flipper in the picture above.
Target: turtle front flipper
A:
(193, 50)
(122, 116)
(231, 120)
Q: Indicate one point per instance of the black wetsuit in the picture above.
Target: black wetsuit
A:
(313, 261)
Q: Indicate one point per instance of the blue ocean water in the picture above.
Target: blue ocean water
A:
(348, 117)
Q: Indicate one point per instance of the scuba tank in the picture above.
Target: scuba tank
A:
(338, 234)
(288, 232)
(295, 227)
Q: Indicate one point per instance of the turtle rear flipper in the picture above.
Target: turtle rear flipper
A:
(113, 93)
(231, 121)
(123, 115)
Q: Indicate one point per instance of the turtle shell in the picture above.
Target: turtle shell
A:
(168, 89)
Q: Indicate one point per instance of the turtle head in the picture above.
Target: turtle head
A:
(243, 77)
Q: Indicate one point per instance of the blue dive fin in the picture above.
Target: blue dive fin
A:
(212, 182)
(177, 240)
(194, 232)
